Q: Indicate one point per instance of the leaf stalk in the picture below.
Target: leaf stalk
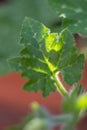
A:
(59, 85)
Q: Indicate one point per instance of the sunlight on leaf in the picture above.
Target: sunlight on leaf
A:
(52, 42)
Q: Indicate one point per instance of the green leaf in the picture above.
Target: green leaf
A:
(46, 85)
(44, 54)
(70, 63)
(73, 13)
(72, 72)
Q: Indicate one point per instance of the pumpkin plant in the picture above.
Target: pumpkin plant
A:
(44, 55)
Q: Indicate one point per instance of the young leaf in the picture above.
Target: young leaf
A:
(44, 54)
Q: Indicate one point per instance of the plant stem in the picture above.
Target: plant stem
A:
(65, 118)
(59, 85)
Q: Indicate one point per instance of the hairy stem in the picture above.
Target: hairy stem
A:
(59, 85)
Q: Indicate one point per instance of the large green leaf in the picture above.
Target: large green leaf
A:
(74, 14)
(44, 54)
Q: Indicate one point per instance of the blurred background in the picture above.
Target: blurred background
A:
(14, 102)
